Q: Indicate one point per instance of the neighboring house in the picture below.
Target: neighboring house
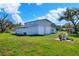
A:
(38, 27)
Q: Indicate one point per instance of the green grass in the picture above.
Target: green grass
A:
(12, 45)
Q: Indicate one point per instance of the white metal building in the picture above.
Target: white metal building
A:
(38, 27)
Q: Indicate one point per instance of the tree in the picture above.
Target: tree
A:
(67, 25)
(4, 23)
(71, 15)
(58, 28)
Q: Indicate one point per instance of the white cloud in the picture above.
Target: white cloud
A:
(53, 15)
(12, 9)
(19, 20)
(39, 4)
(49, 17)
(1, 6)
(0, 10)
(42, 17)
(58, 11)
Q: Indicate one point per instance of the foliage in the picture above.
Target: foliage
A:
(5, 24)
(71, 15)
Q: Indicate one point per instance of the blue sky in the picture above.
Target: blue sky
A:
(32, 11)
(24, 12)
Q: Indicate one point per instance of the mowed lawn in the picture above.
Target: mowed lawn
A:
(12, 45)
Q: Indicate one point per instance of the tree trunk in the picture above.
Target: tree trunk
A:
(75, 30)
(2, 30)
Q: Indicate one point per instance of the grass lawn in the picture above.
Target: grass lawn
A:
(12, 45)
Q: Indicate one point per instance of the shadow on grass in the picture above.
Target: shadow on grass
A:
(26, 35)
(75, 35)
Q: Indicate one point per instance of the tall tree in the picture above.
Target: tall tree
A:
(71, 15)
(4, 23)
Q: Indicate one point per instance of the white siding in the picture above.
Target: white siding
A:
(48, 30)
(32, 30)
(41, 30)
(36, 28)
(20, 31)
(28, 31)
(44, 30)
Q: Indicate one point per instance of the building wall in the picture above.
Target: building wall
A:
(20, 31)
(27, 31)
(37, 28)
(40, 30)
(44, 30)
(45, 27)
(53, 30)
(32, 30)
(48, 30)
